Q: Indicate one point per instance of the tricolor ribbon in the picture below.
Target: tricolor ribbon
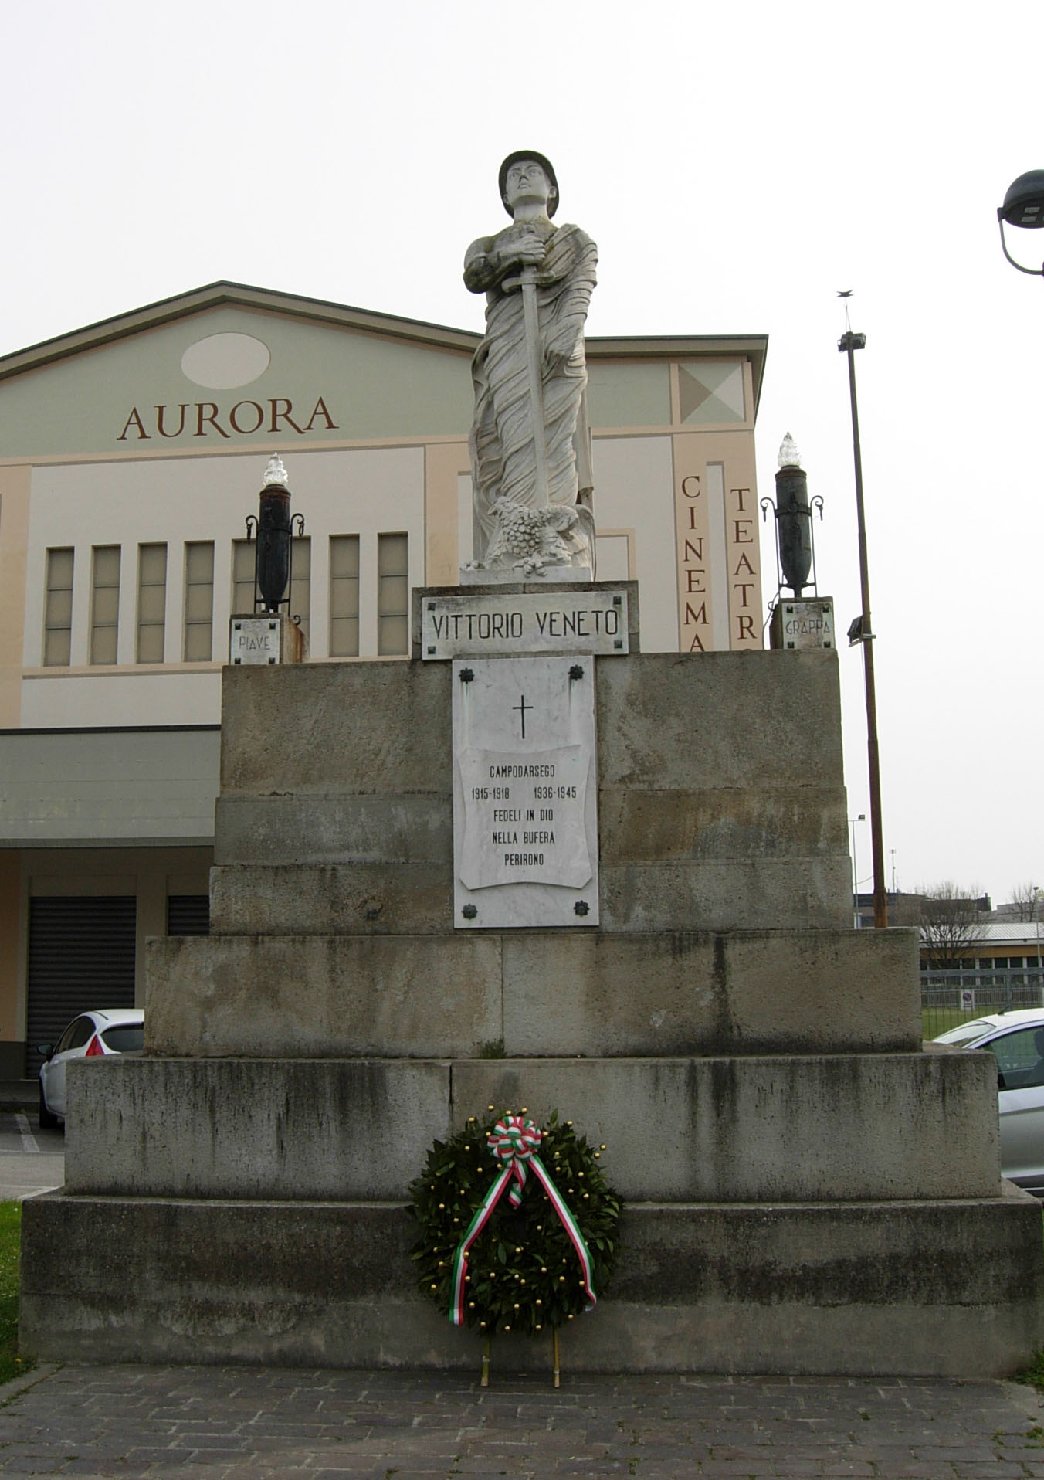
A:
(514, 1142)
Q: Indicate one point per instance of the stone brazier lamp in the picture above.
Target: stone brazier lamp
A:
(793, 517)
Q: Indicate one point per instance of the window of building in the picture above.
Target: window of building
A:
(344, 596)
(105, 602)
(243, 556)
(152, 602)
(58, 612)
(393, 594)
(199, 601)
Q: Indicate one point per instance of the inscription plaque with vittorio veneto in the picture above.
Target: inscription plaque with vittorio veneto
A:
(482, 624)
(525, 793)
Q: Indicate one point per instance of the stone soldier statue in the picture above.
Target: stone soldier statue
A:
(530, 443)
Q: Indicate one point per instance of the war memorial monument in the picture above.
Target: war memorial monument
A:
(534, 867)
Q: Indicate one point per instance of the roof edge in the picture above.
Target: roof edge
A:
(443, 336)
(220, 294)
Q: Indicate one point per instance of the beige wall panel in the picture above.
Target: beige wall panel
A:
(742, 541)
(695, 563)
(14, 539)
(615, 554)
(103, 697)
(633, 481)
(717, 535)
(444, 464)
(465, 519)
(371, 387)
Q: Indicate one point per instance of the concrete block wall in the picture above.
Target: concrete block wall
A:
(413, 893)
(721, 794)
(725, 880)
(534, 993)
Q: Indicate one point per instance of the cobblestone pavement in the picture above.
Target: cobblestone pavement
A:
(245, 1421)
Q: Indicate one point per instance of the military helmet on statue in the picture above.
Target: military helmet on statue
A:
(545, 164)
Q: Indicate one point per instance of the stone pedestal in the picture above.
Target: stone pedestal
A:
(806, 1190)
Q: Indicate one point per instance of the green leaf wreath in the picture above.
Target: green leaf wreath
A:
(523, 1272)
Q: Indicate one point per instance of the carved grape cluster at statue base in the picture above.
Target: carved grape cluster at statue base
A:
(529, 539)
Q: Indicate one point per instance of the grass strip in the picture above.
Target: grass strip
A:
(936, 1020)
(11, 1364)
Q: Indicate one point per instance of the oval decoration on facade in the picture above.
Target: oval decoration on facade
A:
(223, 361)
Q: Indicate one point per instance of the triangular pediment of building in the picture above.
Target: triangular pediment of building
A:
(233, 295)
(227, 362)
(228, 365)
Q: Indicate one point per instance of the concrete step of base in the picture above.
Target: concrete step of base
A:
(785, 1127)
(915, 1287)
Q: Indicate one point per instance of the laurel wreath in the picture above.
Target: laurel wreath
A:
(522, 1269)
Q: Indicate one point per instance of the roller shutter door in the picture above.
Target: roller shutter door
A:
(81, 955)
(188, 914)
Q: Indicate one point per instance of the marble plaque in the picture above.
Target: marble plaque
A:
(804, 624)
(581, 622)
(525, 822)
(524, 817)
(255, 640)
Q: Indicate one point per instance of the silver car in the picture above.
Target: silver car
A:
(1016, 1040)
(102, 1031)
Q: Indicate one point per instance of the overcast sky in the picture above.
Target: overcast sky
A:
(737, 165)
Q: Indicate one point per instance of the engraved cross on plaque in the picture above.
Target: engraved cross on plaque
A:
(522, 706)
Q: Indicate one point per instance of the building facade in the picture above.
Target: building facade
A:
(131, 453)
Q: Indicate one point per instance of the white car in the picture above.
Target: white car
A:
(112, 1030)
(1016, 1040)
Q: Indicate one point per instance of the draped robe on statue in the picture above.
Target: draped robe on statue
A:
(503, 453)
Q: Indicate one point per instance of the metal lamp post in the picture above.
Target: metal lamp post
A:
(852, 822)
(1023, 206)
(861, 631)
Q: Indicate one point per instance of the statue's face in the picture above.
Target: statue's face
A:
(526, 180)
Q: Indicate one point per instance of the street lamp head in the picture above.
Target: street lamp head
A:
(1023, 206)
(1024, 201)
